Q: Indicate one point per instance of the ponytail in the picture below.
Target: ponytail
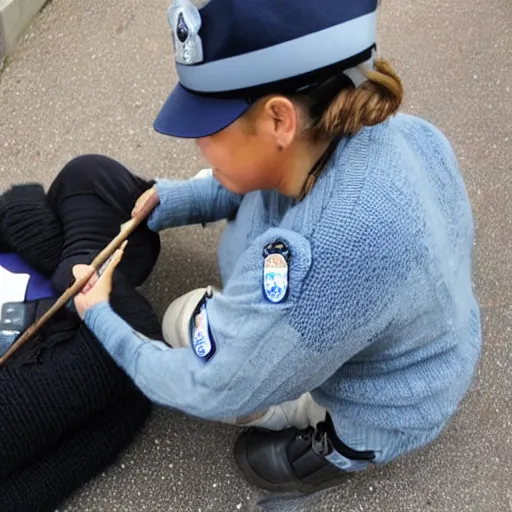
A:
(353, 108)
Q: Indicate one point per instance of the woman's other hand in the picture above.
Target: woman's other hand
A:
(98, 288)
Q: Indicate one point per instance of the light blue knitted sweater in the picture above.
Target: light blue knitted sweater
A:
(381, 323)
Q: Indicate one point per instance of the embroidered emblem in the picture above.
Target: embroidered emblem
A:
(185, 22)
(202, 341)
(276, 272)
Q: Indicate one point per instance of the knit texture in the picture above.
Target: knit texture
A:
(30, 227)
(66, 409)
(42, 401)
(380, 323)
(389, 293)
(78, 457)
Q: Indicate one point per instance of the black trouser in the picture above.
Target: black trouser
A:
(66, 409)
(93, 195)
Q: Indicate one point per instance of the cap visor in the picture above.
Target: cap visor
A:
(192, 116)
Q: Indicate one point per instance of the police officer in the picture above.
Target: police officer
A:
(346, 331)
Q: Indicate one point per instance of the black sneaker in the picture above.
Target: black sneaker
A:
(294, 460)
(291, 460)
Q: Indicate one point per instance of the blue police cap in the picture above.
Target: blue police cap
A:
(232, 52)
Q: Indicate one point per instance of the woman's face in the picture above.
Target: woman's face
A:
(250, 154)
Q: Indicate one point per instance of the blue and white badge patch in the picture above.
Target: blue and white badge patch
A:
(202, 340)
(276, 272)
(185, 22)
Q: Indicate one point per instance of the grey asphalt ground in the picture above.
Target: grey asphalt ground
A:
(90, 77)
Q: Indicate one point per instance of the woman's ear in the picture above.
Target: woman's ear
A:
(283, 120)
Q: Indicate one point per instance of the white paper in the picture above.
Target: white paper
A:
(13, 287)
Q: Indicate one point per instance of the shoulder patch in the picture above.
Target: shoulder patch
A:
(202, 341)
(276, 272)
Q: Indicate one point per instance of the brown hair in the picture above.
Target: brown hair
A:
(352, 108)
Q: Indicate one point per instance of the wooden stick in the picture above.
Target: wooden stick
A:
(126, 230)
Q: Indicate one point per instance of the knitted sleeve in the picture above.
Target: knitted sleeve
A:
(197, 201)
(255, 352)
(260, 353)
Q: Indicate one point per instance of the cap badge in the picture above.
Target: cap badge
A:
(185, 22)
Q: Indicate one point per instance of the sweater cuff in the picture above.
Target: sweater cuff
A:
(176, 205)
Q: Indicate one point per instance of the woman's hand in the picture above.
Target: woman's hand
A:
(98, 288)
(150, 195)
